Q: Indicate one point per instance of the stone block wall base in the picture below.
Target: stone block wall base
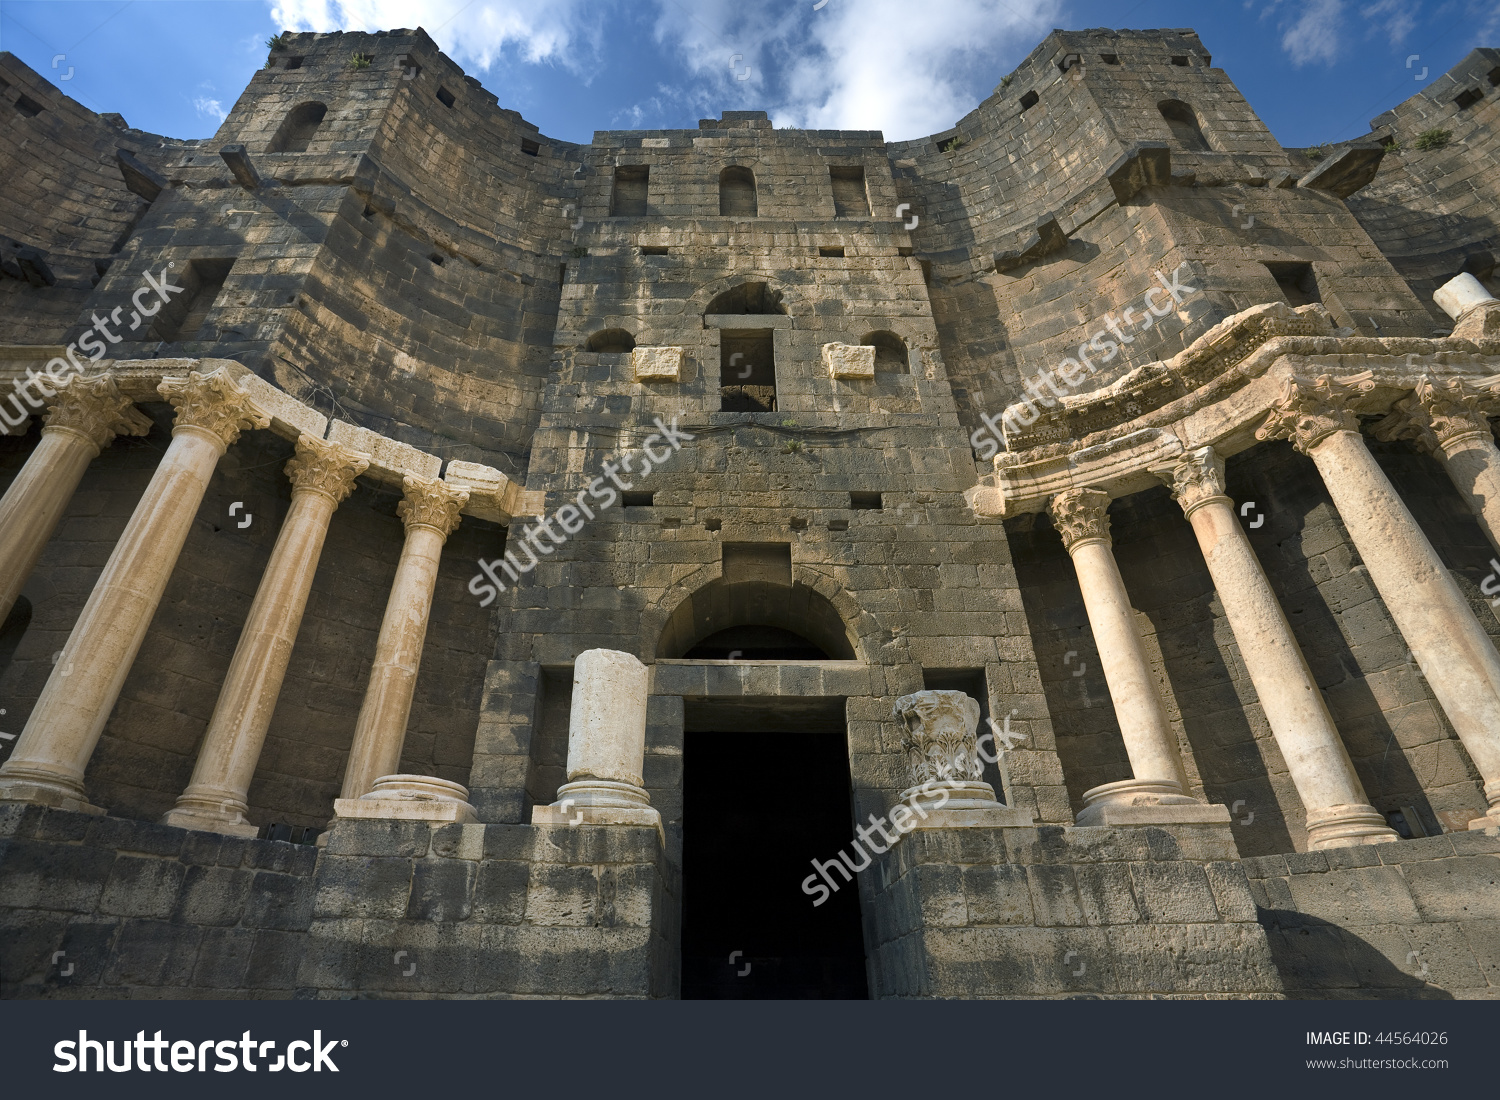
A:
(433, 811)
(570, 813)
(45, 795)
(994, 816)
(209, 822)
(1106, 813)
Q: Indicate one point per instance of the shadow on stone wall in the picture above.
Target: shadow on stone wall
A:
(1319, 960)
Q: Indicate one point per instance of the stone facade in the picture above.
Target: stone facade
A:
(1150, 437)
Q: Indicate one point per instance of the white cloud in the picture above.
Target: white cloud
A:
(1316, 34)
(210, 108)
(1397, 17)
(475, 33)
(857, 64)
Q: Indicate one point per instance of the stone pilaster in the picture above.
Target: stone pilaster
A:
(430, 512)
(1338, 812)
(84, 418)
(1462, 666)
(322, 475)
(1155, 793)
(48, 762)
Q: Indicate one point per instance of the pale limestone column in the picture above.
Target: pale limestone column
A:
(48, 762)
(1338, 811)
(322, 476)
(85, 418)
(606, 746)
(1446, 420)
(430, 513)
(1156, 791)
(1455, 653)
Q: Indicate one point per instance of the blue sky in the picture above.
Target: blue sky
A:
(1315, 70)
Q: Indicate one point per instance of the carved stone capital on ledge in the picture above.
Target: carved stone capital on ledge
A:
(1081, 514)
(942, 753)
(214, 403)
(1310, 411)
(1196, 479)
(323, 467)
(1436, 414)
(95, 409)
(431, 502)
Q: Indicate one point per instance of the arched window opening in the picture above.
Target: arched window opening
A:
(748, 298)
(737, 193)
(890, 352)
(611, 340)
(1183, 122)
(298, 128)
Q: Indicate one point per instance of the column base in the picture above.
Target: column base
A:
(600, 802)
(968, 805)
(1345, 826)
(410, 798)
(207, 820)
(1146, 802)
(45, 790)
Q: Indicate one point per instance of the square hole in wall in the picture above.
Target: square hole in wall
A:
(1030, 100)
(531, 148)
(637, 499)
(1467, 98)
(1297, 282)
(445, 96)
(867, 502)
(1180, 60)
(903, 252)
(713, 525)
(28, 106)
(1110, 58)
(832, 252)
(653, 250)
(799, 523)
(838, 525)
(183, 317)
(293, 63)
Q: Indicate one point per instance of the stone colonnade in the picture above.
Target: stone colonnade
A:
(1457, 656)
(49, 760)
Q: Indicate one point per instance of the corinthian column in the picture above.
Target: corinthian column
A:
(322, 475)
(1455, 653)
(1156, 792)
(1338, 812)
(48, 763)
(1446, 420)
(85, 418)
(430, 513)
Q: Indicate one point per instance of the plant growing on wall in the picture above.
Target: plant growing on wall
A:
(1433, 139)
(360, 61)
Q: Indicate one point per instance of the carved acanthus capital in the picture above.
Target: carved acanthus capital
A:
(1081, 514)
(214, 403)
(937, 735)
(323, 467)
(1310, 411)
(95, 409)
(1436, 414)
(431, 502)
(1196, 478)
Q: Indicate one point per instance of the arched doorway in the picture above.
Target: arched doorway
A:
(766, 790)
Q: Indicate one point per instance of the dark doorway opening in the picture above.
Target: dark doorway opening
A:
(749, 932)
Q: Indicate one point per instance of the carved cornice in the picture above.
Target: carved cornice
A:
(1310, 411)
(95, 409)
(1081, 514)
(1196, 479)
(431, 502)
(213, 403)
(323, 467)
(937, 735)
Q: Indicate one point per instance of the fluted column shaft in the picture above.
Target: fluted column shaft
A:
(1149, 742)
(1338, 810)
(216, 799)
(1456, 655)
(430, 512)
(54, 748)
(83, 420)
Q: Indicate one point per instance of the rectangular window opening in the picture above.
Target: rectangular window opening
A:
(531, 148)
(183, 317)
(653, 250)
(849, 197)
(903, 252)
(562, 274)
(1030, 100)
(28, 106)
(632, 182)
(637, 499)
(835, 252)
(293, 63)
(1110, 58)
(747, 370)
(1180, 60)
(865, 501)
(1299, 286)
(445, 96)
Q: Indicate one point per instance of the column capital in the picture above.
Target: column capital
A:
(431, 502)
(937, 735)
(1081, 514)
(1197, 478)
(1309, 411)
(95, 409)
(214, 403)
(323, 467)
